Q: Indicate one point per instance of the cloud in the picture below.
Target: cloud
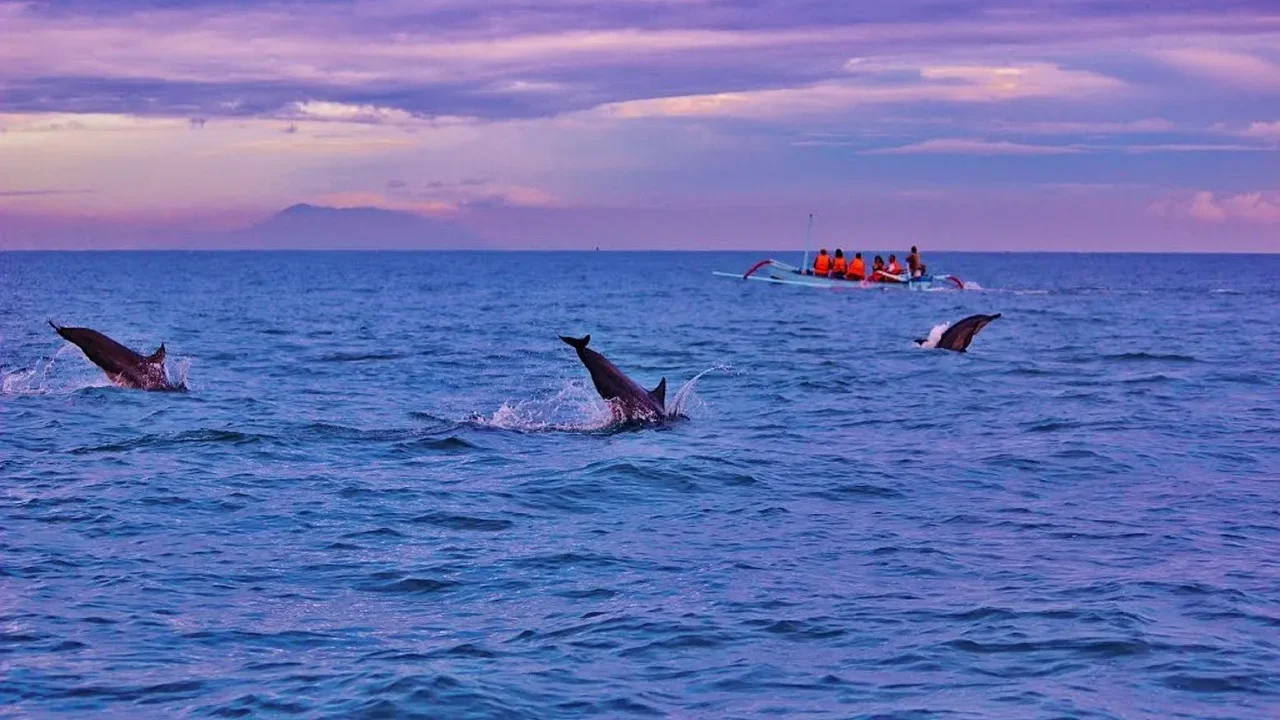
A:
(438, 198)
(524, 86)
(475, 192)
(1260, 208)
(1262, 131)
(332, 48)
(45, 123)
(39, 193)
(957, 146)
(361, 199)
(1253, 207)
(1066, 127)
(1192, 147)
(955, 84)
(1203, 207)
(1236, 68)
(521, 58)
(346, 112)
(322, 144)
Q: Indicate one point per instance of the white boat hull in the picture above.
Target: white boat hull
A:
(772, 271)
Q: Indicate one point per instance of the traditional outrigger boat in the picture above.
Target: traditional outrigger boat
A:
(778, 272)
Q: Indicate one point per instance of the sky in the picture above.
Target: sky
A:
(683, 124)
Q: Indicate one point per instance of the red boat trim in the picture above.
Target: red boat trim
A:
(755, 267)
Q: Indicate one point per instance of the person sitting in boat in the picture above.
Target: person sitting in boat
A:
(857, 269)
(894, 268)
(877, 269)
(822, 264)
(914, 264)
(839, 265)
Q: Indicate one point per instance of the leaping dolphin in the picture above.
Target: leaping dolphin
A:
(958, 336)
(123, 366)
(628, 400)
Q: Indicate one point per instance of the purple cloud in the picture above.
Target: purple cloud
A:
(40, 193)
(464, 58)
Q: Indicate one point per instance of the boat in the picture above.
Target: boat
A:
(780, 273)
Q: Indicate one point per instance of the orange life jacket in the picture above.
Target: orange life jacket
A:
(822, 266)
(894, 268)
(857, 270)
(839, 265)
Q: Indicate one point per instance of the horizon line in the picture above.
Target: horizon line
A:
(620, 250)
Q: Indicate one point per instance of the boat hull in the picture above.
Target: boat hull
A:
(771, 271)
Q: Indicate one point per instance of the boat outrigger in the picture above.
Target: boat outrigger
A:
(776, 271)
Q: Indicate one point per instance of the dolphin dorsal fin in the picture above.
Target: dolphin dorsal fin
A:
(660, 393)
(577, 343)
(157, 356)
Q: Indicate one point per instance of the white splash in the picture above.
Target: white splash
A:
(177, 376)
(24, 382)
(36, 380)
(576, 407)
(685, 399)
(573, 408)
(51, 377)
(935, 335)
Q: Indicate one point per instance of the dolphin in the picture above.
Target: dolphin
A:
(123, 366)
(958, 336)
(628, 400)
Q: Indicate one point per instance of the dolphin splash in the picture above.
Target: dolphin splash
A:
(959, 336)
(123, 366)
(628, 400)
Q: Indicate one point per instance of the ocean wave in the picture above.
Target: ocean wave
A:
(1149, 356)
(393, 583)
(448, 443)
(844, 493)
(342, 357)
(463, 522)
(186, 437)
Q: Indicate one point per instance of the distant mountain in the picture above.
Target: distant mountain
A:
(317, 227)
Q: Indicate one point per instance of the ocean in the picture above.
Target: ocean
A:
(391, 491)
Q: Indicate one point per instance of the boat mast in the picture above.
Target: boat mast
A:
(808, 232)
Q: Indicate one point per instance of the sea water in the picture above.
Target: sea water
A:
(391, 491)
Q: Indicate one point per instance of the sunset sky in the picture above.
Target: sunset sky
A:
(692, 124)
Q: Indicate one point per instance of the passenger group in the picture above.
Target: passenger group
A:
(839, 267)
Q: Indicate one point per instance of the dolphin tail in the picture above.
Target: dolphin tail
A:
(660, 393)
(157, 357)
(577, 343)
(921, 341)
